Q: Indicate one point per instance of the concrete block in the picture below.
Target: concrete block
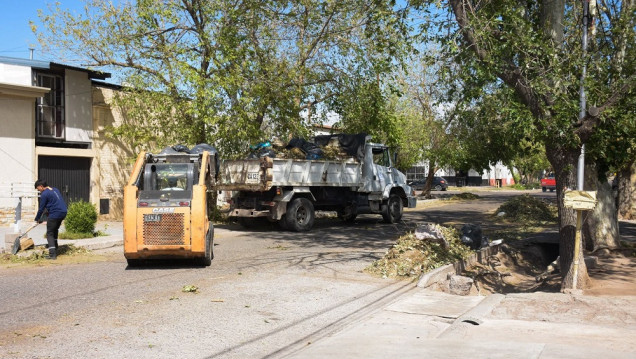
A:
(9, 238)
(437, 275)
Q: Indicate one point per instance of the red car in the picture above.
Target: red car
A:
(548, 183)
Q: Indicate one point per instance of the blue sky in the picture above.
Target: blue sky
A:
(15, 34)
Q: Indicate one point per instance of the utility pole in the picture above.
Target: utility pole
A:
(581, 164)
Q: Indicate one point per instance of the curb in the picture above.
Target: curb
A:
(440, 274)
(99, 245)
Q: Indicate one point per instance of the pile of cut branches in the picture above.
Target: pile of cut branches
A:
(409, 257)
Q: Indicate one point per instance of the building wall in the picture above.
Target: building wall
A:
(15, 74)
(498, 175)
(114, 157)
(17, 155)
(78, 106)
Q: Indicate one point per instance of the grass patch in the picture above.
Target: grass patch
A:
(410, 257)
(528, 186)
(73, 235)
(526, 208)
(464, 196)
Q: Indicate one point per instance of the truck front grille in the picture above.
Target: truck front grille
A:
(168, 231)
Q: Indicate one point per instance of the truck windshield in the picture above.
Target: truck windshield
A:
(171, 177)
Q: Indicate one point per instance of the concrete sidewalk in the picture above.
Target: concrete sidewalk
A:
(428, 324)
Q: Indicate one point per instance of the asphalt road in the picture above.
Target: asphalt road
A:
(266, 294)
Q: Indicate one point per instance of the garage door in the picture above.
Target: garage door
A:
(71, 175)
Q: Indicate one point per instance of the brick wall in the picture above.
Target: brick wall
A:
(115, 157)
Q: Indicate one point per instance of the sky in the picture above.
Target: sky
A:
(15, 33)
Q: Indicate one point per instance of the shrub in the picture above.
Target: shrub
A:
(81, 217)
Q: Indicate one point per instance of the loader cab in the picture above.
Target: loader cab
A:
(170, 176)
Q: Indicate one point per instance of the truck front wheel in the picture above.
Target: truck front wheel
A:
(300, 215)
(392, 211)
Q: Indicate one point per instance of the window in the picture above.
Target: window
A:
(50, 107)
(169, 177)
(381, 157)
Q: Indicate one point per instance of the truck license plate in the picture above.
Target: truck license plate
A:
(253, 177)
(152, 217)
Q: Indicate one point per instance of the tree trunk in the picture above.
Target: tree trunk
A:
(563, 160)
(626, 192)
(429, 180)
(600, 229)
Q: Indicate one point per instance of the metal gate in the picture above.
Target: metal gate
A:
(71, 175)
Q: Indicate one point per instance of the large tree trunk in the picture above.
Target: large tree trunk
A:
(563, 160)
(600, 229)
(429, 179)
(627, 192)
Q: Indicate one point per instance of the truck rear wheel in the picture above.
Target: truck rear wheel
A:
(300, 215)
(392, 211)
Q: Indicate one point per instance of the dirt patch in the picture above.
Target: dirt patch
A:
(517, 268)
(67, 254)
(523, 268)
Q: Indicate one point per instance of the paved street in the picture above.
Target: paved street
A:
(267, 294)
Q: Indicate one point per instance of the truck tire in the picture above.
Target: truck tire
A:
(392, 211)
(300, 215)
(543, 189)
(209, 248)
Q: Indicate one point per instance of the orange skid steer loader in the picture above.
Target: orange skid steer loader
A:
(166, 207)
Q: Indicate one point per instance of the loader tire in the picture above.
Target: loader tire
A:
(392, 211)
(209, 247)
(300, 215)
(134, 263)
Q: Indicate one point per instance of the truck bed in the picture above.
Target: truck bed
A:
(264, 173)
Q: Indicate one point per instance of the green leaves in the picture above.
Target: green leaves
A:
(228, 72)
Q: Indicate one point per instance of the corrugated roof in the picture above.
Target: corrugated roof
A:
(40, 64)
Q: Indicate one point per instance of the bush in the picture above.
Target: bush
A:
(81, 217)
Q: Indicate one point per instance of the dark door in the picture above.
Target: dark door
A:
(71, 175)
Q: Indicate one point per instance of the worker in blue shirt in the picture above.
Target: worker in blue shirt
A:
(51, 200)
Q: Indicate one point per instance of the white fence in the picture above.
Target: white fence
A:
(12, 198)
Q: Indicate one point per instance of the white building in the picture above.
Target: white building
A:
(46, 131)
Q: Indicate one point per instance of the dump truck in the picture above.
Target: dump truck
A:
(166, 207)
(289, 190)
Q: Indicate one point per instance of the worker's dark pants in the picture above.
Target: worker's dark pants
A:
(52, 229)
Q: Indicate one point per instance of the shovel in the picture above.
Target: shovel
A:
(16, 243)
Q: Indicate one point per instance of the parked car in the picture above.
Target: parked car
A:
(439, 184)
(548, 183)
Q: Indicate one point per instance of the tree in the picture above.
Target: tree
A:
(534, 50)
(226, 72)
